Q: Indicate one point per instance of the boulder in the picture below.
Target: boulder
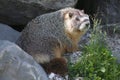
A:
(114, 45)
(15, 64)
(109, 11)
(19, 12)
(106, 10)
(7, 33)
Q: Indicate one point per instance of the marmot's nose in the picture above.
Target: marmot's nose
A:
(88, 24)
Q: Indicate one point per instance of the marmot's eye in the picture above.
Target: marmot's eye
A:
(70, 15)
(77, 19)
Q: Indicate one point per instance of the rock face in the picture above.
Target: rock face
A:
(15, 64)
(114, 44)
(19, 12)
(109, 11)
(7, 33)
(90, 6)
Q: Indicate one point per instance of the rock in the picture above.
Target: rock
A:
(109, 11)
(15, 64)
(89, 6)
(106, 10)
(53, 76)
(7, 33)
(19, 12)
(74, 57)
(114, 45)
(111, 29)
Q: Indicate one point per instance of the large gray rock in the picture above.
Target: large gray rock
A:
(106, 10)
(15, 64)
(109, 11)
(19, 12)
(7, 33)
(114, 44)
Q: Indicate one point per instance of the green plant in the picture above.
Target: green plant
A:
(97, 62)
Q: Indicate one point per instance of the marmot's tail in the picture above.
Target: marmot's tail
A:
(57, 66)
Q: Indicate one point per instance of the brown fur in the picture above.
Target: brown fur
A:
(49, 36)
(56, 65)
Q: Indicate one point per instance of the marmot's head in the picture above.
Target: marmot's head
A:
(75, 20)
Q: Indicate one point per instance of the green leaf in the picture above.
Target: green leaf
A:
(103, 69)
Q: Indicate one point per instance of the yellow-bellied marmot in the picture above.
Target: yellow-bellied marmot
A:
(50, 35)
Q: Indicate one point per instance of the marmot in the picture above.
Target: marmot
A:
(49, 36)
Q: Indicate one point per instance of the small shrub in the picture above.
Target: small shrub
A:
(97, 62)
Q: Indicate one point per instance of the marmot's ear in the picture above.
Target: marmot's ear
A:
(68, 15)
(82, 11)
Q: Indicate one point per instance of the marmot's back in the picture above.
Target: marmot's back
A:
(50, 35)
